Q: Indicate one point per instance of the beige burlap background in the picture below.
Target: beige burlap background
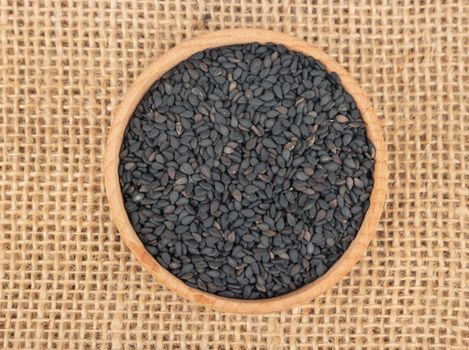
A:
(67, 282)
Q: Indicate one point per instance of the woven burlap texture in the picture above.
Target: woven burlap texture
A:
(66, 280)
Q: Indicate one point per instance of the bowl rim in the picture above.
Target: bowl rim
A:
(119, 216)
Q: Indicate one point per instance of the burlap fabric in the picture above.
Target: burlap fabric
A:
(67, 282)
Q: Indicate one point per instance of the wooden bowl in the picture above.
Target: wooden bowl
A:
(111, 161)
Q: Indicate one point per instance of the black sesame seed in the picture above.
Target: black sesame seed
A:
(246, 171)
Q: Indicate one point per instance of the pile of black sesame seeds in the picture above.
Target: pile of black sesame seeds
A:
(246, 170)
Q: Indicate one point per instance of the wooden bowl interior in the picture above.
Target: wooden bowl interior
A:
(111, 162)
